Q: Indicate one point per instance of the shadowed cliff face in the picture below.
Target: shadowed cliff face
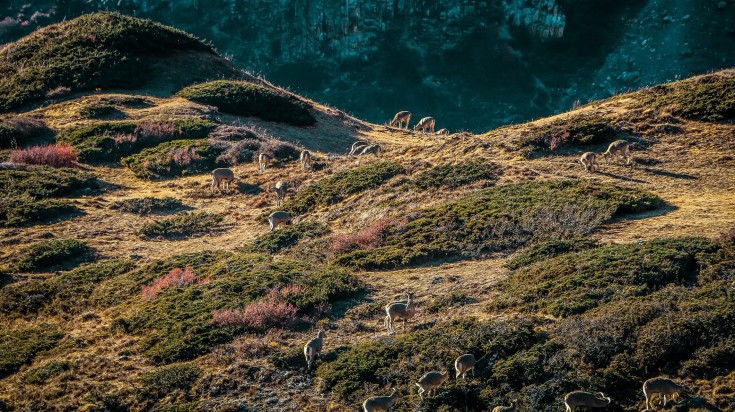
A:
(470, 64)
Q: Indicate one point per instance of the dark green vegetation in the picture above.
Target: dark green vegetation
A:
(20, 131)
(549, 249)
(49, 255)
(169, 378)
(147, 205)
(710, 97)
(183, 225)
(44, 372)
(19, 346)
(65, 295)
(578, 130)
(663, 307)
(173, 159)
(27, 194)
(335, 188)
(176, 325)
(501, 218)
(249, 99)
(456, 175)
(109, 141)
(288, 236)
(95, 50)
(96, 111)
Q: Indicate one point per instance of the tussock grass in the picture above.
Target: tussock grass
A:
(249, 99)
(147, 205)
(183, 225)
(498, 219)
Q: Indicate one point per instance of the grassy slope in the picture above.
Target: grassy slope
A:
(90, 329)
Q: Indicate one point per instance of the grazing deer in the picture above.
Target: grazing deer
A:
(380, 403)
(222, 175)
(661, 386)
(427, 123)
(400, 118)
(356, 147)
(431, 381)
(399, 310)
(313, 348)
(618, 149)
(512, 408)
(443, 132)
(280, 188)
(577, 399)
(277, 218)
(466, 363)
(263, 161)
(305, 159)
(588, 160)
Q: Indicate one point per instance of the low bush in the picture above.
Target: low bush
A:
(20, 131)
(288, 236)
(173, 159)
(97, 110)
(249, 99)
(549, 249)
(58, 155)
(366, 239)
(41, 182)
(183, 225)
(269, 312)
(44, 372)
(710, 97)
(242, 144)
(147, 205)
(447, 300)
(177, 277)
(107, 141)
(575, 130)
(335, 188)
(49, 255)
(24, 210)
(167, 379)
(500, 219)
(178, 324)
(19, 346)
(455, 176)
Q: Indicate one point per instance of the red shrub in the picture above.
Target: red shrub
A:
(265, 313)
(557, 139)
(368, 238)
(183, 156)
(156, 130)
(60, 155)
(175, 278)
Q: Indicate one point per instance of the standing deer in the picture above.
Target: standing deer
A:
(466, 363)
(222, 175)
(380, 403)
(588, 160)
(305, 159)
(661, 386)
(431, 382)
(618, 149)
(443, 132)
(399, 310)
(400, 118)
(263, 160)
(427, 123)
(577, 399)
(313, 348)
(512, 408)
(280, 188)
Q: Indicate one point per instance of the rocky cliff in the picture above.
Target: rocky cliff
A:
(472, 64)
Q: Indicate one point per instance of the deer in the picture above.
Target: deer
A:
(280, 188)
(427, 123)
(661, 386)
(576, 399)
(431, 381)
(466, 363)
(588, 160)
(264, 160)
(618, 148)
(399, 310)
(305, 159)
(380, 403)
(277, 218)
(512, 408)
(222, 175)
(356, 147)
(314, 347)
(400, 118)
(443, 132)
(373, 148)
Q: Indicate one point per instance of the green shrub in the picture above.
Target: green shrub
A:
(23, 131)
(94, 50)
(575, 130)
(24, 210)
(177, 325)
(147, 205)
(334, 189)
(577, 282)
(167, 379)
(446, 300)
(710, 97)
(173, 159)
(455, 176)
(107, 141)
(183, 225)
(501, 218)
(97, 110)
(44, 372)
(249, 99)
(287, 236)
(49, 255)
(41, 182)
(19, 346)
(549, 249)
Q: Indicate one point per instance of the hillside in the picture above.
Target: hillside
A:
(127, 284)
